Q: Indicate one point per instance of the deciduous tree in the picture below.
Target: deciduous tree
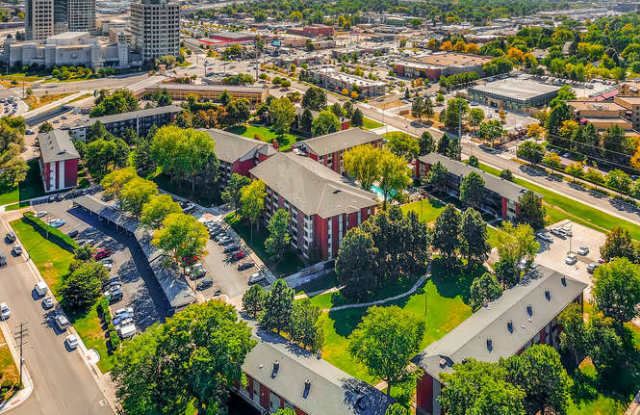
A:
(484, 288)
(618, 245)
(278, 307)
(253, 301)
(83, 286)
(617, 289)
(472, 190)
(325, 123)
(157, 209)
(361, 162)
(252, 202)
(232, 192)
(305, 328)
(135, 193)
(530, 210)
(355, 264)
(181, 236)
(279, 239)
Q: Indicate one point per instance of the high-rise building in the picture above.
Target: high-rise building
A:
(38, 19)
(155, 26)
(81, 15)
(60, 8)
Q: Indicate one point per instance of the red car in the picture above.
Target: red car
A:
(238, 256)
(102, 253)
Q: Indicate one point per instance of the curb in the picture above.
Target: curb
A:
(23, 394)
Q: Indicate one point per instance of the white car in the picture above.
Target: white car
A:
(17, 250)
(583, 250)
(41, 213)
(571, 259)
(5, 312)
(71, 341)
(544, 237)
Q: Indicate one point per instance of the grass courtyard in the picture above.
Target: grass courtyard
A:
(53, 263)
(265, 134)
(29, 188)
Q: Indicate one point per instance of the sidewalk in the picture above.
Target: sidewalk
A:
(24, 393)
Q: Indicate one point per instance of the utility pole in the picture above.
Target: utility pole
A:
(459, 130)
(22, 333)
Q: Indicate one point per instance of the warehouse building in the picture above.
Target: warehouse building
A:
(517, 94)
(439, 64)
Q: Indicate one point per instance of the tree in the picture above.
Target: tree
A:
(617, 290)
(121, 100)
(103, 155)
(532, 151)
(456, 108)
(385, 340)
(304, 327)
(278, 307)
(253, 301)
(540, 374)
(357, 119)
(530, 210)
(480, 388)
(135, 193)
(618, 180)
(506, 174)
(438, 177)
(535, 131)
(443, 145)
(284, 411)
(325, 123)
(473, 235)
(515, 243)
(83, 286)
(425, 143)
(403, 145)
(476, 116)
(473, 161)
(232, 192)
(337, 110)
(507, 271)
(279, 239)
(618, 245)
(574, 334)
(417, 108)
(314, 99)
(45, 127)
(491, 130)
(194, 358)
(157, 209)
(306, 121)
(395, 176)
(252, 202)
(565, 93)
(472, 191)
(445, 235)
(13, 168)
(182, 237)
(483, 289)
(355, 264)
(361, 163)
(396, 409)
(283, 113)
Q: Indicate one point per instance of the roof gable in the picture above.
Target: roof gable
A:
(339, 141)
(56, 145)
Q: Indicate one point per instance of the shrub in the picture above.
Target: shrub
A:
(84, 182)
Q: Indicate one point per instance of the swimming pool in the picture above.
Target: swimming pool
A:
(380, 193)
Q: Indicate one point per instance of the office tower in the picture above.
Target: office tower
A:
(60, 16)
(155, 26)
(38, 19)
(81, 15)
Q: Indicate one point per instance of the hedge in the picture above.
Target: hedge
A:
(54, 235)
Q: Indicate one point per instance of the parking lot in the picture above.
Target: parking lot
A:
(554, 254)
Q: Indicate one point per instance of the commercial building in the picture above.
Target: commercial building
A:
(524, 315)
(315, 30)
(60, 16)
(81, 15)
(501, 196)
(328, 149)
(632, 105)
(323, 204)
(38, 19)
(139, 121)
(155, 28)
(335, 80)
(629, 89)
(228, 38)
(514, 93)
(254, 94)
(58, 161)
(280, 375)
(435, 65)
(601, 114)
(70, 49)
(238, 154)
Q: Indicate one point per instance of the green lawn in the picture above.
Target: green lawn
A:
(369, 124)
(29, 188)
(8, 371)
(441, 303)
(53, 263)
(323, 283)
(560, 207)
(427, 209)
(289, 264)
(265, 134)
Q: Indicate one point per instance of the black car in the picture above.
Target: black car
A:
(245, 265)
(10, 237)
(231, 248)
(3, 260)
(73, 234)
(204, 284)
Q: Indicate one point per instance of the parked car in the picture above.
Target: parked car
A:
(73, 234)
(245, 265)
(41, 288)
(47, 303)
(56, 223)
(583, 250)
(196, 272)
(41, 213)
(10, 237)
(3, 260)
(566, 230)
(114, 294)
(225, 241)
(107, 260)
(592, 267)
(61, 322)
(17, 250)
(71, 341)
(5, 312)
(231, 248)
(102, 253)
(204, 284)
(107, 266)
(238, 256)
(126, 331)
(544, 237)
(571, 259)
(255, 278)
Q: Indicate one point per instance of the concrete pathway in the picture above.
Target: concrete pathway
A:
(316, 293)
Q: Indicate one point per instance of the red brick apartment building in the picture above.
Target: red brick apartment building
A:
(523, 316)
(315, 30)
(323, 204)
(58, 161)
(328, 149)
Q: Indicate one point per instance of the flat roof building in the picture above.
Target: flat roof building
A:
(438, 64)
(155, 28)
(601, 114)
(254, 94)
(335, 80)
(514, 93)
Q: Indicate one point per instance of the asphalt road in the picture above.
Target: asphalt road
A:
(63, 383)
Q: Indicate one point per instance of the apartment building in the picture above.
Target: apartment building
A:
(332, 79)
(314, 30)
(58, 161)
(323, 204)
(632, 105)
(38, 19)
(435, 65)
(501, 196)
(524, 315)
(155, 27)
(601, 114)
(255, 94)
(81, 16)
(329, 149)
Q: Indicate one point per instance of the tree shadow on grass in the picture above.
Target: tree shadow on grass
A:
(345, 321)
(452, 280)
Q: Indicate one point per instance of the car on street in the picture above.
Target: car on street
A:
(583, 250)
(102, 253)
(17, 250)
(544, 237)
(3, 260)
(5, 312)
(10, 237)
(571, 259)
(255, 278)
(71, 341)
(61, 322)
(245, 265)
(204, 284)
(47, 303)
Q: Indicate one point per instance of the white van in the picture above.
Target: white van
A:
(41, 288)
(127, 330)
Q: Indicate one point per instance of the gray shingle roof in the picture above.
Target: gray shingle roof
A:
(339, 141)
(502, 187)
(469, 338)
(56, 145)
(135, 114)
(231, 147)
(331, 392)
(312, 187)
